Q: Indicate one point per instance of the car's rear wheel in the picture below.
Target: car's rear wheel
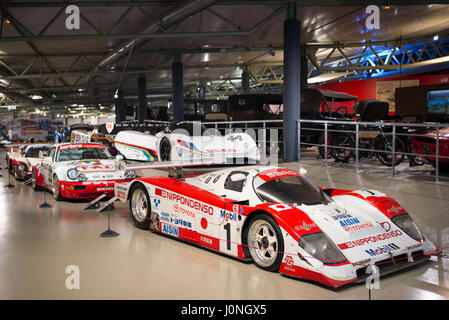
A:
(165, 150)
(265, 242)
(140, 207)
(57, 189)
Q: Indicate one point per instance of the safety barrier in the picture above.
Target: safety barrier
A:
(344, 140)
(389, 142)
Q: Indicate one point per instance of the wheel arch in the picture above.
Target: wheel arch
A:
(249, 218)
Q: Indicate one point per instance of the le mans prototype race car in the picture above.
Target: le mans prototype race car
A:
(79, 171)
(186, 141)
(28, 156)
(282, 222)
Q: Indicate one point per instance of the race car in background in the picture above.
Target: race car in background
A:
(426, 146)
(78, 171)
(187, 141)
(281, 221)
(28, 156)
(13, 151)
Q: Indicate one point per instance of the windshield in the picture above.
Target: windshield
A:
(291, 190)
(83, 154)
(34, 152)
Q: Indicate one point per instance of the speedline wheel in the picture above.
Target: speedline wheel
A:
(57, 189)
(140, 207)
(265, 242)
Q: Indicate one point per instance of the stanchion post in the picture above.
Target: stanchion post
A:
(109, 233)
(325, 144)
(393, 151)
(357, 147)
(437, 156)
(299, 139)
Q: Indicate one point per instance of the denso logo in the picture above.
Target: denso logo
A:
(194, 204)
(384, 249)
(365, 241)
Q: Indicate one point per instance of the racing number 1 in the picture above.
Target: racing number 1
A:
(227, 227)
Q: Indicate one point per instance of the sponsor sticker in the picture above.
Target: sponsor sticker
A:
(368, 240)
(183, 200)
(276, 173)
(171, 230)
(80, 145)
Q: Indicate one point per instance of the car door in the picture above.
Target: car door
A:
(47, 164)
(229, 223)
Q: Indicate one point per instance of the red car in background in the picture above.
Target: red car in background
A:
(426, 146)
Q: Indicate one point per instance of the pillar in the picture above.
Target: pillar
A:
(178, 93)
(292, 85)
(142, 99)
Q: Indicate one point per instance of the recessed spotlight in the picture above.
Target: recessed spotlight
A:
(435, 37)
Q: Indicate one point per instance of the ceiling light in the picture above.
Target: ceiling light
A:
(435, 37)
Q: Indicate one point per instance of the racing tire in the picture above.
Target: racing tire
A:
(140, 207)
(165, 150)
(34, 184)
(265, 243)
(57, 189)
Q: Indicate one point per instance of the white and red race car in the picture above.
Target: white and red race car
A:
(25, 158)
(187, 141)
(282, 222)
(79, 171)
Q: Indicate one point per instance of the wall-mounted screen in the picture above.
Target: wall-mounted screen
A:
(437, 104)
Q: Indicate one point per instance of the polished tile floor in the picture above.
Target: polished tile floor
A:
(37, 245)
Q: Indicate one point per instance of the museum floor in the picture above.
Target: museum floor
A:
(36, 246)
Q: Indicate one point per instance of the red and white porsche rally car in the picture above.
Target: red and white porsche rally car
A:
(79, 171)
(27, 156)
(282, 222)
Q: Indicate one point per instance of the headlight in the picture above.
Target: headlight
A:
(72, 174)
(82, 177)
(319, 246)
(130, 174)
(21, 167)
(406, 223)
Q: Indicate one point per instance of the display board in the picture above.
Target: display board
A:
(385, 90)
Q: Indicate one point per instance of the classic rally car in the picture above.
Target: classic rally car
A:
(12, 152)
(25, 159)
(186, 141)
(426, 146)
(282, 222)
(79, 171)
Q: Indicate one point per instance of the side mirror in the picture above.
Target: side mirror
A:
(119, 157)
(238, 177)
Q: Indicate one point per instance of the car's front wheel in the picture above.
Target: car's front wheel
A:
(265, 242)
(140, 207)
(57, 189)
